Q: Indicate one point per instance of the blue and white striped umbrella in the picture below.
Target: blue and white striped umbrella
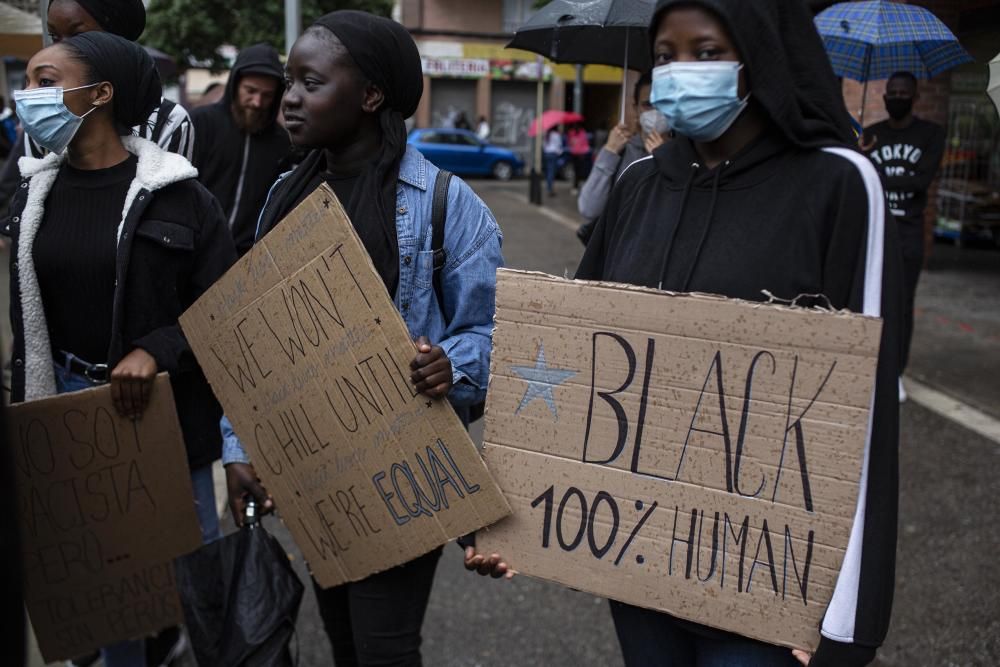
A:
(870, 40)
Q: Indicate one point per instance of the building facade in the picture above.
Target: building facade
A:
(469, 73)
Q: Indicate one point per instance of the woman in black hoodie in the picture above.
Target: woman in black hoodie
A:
(761, 191)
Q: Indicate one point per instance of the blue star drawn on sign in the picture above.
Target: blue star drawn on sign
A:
(541, 381)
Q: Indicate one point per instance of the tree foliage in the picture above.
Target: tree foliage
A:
(191, 31)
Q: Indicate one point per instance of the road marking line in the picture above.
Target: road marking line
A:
(564, 220)
(961, 413)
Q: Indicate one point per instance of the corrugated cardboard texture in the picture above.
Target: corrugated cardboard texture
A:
(691, 454)
(105, 504)
(311, 361)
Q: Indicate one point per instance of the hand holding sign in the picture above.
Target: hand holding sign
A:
(492, 565)
(132, 382)
(431, 370)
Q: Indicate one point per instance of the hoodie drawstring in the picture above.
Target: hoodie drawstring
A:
(677, 223)
(685, 286)
(707, 226)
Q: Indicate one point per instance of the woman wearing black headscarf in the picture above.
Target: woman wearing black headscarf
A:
(113, 238)
(351, 80)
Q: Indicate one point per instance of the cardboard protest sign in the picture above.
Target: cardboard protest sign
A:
(311, 362)
(104, 506)
(691, 454)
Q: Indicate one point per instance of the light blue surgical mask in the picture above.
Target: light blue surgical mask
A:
(45, 117)
(701, 100)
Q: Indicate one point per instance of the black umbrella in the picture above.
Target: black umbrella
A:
(241, 598)
(591, 32)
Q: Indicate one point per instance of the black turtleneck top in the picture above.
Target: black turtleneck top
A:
(75, 253)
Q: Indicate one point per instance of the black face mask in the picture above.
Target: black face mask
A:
(898, 107)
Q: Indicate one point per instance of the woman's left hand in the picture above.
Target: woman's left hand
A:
(131, 383)
(802, 656)
(431, 370)
(653, 140)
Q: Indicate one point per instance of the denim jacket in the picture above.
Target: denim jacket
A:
(463, 324)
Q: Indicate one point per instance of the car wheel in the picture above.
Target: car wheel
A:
(503, 171)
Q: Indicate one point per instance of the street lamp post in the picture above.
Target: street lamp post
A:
(535, 180)
(43, 11)
(293, 23)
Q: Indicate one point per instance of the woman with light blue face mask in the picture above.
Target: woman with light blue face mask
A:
(112, 239)
(761, 192)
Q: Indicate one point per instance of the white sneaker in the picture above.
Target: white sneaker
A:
(902, 391)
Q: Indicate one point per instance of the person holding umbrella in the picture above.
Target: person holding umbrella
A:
(760, 190)
(907, 152)
(625, 145)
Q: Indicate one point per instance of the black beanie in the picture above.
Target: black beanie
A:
(385, 52)
(128, 68)
(121, 17)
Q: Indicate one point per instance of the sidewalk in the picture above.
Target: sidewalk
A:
(956, 341)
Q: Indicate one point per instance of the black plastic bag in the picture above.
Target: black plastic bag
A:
(241, 599)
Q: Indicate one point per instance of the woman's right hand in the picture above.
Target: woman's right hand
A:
(242, 483)
(492, 565)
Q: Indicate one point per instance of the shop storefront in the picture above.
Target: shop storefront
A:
(474, 79)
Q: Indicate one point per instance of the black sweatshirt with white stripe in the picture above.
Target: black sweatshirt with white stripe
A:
(791, 221)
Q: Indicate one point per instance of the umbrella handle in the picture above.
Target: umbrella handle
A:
(621, 117)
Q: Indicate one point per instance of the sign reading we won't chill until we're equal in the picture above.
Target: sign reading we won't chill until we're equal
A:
(311, 362)
(691, 454)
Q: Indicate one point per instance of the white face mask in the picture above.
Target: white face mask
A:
(653, 121)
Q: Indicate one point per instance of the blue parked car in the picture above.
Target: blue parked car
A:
(462, 152)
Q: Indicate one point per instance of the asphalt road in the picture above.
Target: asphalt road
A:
(947, 608)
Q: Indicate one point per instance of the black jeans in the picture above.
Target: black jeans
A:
(377, 621)
(651, 639)
(911, 242)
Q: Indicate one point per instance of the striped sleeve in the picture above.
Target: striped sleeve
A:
(857, 617)
(172, 132)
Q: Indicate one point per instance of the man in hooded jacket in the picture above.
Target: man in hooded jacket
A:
(243, 149)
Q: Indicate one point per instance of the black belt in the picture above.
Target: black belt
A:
(96, 373)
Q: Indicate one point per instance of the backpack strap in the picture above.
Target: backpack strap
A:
(439, 213)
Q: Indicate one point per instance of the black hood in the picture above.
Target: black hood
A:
(256, 59)
(787, 67)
